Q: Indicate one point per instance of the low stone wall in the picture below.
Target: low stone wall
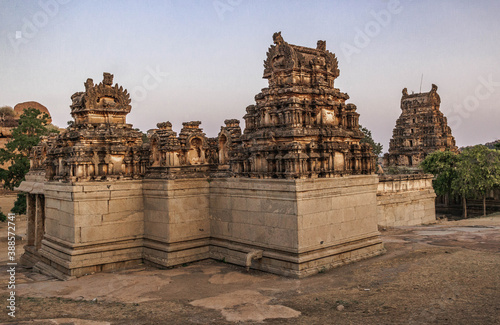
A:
(405, 200)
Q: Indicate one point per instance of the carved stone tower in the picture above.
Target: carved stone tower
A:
(420, 130)
(99, 144)
(301, 126)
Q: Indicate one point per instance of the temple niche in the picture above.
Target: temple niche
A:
(301, 125)
(420, 130)
(228, 139)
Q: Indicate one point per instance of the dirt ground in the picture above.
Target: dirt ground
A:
(447, 273)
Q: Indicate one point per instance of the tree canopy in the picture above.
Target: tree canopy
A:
(377, 147)
(32, 126)
(471, 174)
(6, 111)
(442, 164)
(478, 172)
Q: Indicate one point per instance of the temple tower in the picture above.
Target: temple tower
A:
(301, 125)
(303, 196)
(420, 130)
(84, 188)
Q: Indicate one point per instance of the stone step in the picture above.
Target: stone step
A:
(50, 271)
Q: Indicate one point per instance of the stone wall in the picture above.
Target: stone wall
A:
(405, 200)
(86, 228)
(176, 221)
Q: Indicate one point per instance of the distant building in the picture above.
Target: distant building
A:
(420, 130)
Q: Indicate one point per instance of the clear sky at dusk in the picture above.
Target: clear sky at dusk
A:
(202, 60)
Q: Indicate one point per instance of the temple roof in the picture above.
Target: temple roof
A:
(102, 99)
(419, 99)
(285, 56)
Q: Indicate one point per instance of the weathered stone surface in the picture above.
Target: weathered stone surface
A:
(294, 218)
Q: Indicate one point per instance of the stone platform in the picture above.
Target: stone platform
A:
(300, 227)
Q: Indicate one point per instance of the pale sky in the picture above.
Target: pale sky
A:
(203, 60)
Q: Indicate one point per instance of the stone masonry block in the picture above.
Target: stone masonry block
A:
(189, 230)
(157, 230)
(156, 216)
(187, 215)
(128, 204)
(276, 206)
(88, 220)
(112, 232)
(125, 216)
(156, 204)
(312, 205)
(92, 207)
(63, 218)
(53, 203)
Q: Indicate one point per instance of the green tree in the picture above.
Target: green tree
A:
(478, 172)
(442, 164)
(32, 125)
(6, 111)
(497, 145)
(377, 147)
(464, 184)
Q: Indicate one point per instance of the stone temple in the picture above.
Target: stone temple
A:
(295, 193)
(420, 130)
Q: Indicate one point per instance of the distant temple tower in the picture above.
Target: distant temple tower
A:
(420, 130)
